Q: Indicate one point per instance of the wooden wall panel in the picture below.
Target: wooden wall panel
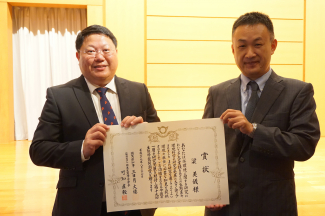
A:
(179, 98)
(288, 53)
(6, 75)
(190, 74)
(161, 51)
(288, 30)
(288, 9)
(189, 52)
(126, 19)
(290, 71)
(179, 115)
(189, 28)
(194, 28)
(94, 15)
(315, 58)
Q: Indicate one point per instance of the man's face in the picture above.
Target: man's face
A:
(98, 59)
(252, 49)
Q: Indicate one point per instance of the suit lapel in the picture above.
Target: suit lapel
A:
(233, 95)
(270, 93)
(123, 96)
(234, 102)
(83, 96)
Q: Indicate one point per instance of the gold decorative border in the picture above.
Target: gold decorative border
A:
(218, 173)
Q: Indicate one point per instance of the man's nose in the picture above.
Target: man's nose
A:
(250, 52)
(99, 56)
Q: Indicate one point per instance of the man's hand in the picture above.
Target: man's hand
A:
(95, 137)
(131, 120)
(236, 120)
(216, 207)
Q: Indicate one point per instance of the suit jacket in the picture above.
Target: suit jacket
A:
(260, 170)
(67, 115)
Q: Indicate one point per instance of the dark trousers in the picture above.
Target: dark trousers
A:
(130, 213)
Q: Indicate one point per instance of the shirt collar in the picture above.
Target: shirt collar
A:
(260, 81)
(110, 85)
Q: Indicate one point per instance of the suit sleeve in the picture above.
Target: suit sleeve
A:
(47, 147)
(151, 112)
(208, 110)
(299, 141)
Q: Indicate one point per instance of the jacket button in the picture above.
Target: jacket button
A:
(241, 159)
(101, 185)
(241, 185)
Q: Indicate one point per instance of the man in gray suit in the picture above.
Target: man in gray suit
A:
(72, 127)
(270, 122)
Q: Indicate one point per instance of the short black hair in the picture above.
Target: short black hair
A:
(94, 29)
(254, 18)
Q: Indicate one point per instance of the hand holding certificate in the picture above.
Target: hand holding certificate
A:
(181, 163)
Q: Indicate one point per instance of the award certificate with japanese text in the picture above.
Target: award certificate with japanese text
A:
(166, 164)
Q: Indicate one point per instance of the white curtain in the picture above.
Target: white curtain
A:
(43, 56)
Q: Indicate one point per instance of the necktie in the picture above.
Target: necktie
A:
(252, 100)
(108, 117)
(108, 113)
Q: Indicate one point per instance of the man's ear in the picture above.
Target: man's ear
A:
(78, 55)
(274, 44)
(232, 49)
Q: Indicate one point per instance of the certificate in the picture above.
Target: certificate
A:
(166, 164)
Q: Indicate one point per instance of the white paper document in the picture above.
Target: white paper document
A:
(166, 164)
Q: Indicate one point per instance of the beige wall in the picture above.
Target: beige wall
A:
(6, 78)
(315, 58)
(179, 48)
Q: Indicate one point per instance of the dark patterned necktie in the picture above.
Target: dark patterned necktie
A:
(251, 105)
(108, 117)
(108, 113)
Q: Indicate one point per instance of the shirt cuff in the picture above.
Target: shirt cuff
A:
(83, 159)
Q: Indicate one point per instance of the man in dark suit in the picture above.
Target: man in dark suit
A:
(72, 130)
(270, 122)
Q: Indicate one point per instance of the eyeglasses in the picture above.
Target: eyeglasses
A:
(92, 52)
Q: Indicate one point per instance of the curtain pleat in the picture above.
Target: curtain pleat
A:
(43, 56)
